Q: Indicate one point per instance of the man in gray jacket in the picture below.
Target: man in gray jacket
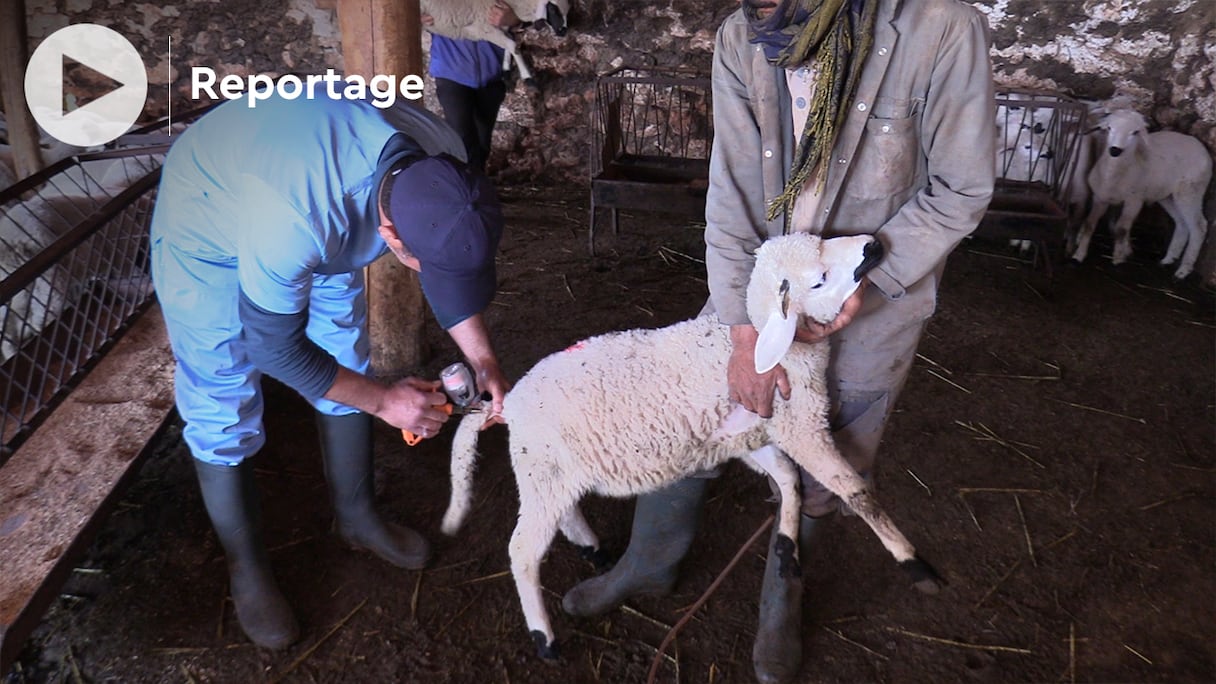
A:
(836, 117)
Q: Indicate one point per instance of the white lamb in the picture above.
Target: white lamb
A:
(466, 19)
(26, 229)
(1022, 138)
(1135, 168)
(630, 412)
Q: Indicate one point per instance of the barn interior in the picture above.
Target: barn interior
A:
(1053, 452)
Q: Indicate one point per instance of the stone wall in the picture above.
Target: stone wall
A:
(1156, 55)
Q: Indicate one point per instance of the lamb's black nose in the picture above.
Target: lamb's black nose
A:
(1116, 151)
(871, 254)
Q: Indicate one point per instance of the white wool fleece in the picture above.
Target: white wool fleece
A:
(642, 406)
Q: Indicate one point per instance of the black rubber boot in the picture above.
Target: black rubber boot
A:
(777, 653)
(231, 499)
(664, 524)
(346, 448)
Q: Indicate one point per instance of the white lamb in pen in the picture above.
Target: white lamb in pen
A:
(576, 427)
(1134, 168)
(466, 19)
(25, 231)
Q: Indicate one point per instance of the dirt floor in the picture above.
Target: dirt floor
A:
(1053, 455)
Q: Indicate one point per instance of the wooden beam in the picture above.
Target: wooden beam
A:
(58, 487)
(14, 47)
(385, 37)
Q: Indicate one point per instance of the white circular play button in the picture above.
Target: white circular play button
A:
(99, 56)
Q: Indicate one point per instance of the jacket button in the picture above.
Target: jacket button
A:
(861, 106)
(842, 160)
(882, 51)
(768, 154)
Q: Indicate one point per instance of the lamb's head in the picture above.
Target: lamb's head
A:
(553, 13)
(801, 275)
(1124, 129)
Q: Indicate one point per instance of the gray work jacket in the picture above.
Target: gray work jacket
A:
(914, 162)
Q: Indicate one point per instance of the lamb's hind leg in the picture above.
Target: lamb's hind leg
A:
(1181, 232)
(575, 528)
(824, 462)
(1188, 203)
(773, 461)
(538, 523)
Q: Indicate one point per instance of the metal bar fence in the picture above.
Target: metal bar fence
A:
(73, 263)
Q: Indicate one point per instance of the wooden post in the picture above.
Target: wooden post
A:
(385, 37)
(14, 48)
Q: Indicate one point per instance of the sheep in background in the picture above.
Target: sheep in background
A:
(51, 150)
(466, 19)
(1134, 168)
(25, 230)
(1021, 144)
(577, 428)
(30, 225)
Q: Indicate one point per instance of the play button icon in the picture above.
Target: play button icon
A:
(117, 85)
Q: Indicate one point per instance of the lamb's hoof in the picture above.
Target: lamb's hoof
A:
(544, 648)
(601, 559)
(1181, 274)
(787, 560)
(924, 577)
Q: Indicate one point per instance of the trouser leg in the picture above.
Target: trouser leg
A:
(487, 103)
(346, 448)
(231, 499)
(777, 652)
(664, 525)
(459, 104)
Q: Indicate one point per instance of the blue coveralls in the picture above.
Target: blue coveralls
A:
(278, 201)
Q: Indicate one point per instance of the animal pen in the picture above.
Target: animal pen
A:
(1039, 137)
(85, 366)
(651, 134)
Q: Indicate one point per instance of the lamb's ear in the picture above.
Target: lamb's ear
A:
(775, 339)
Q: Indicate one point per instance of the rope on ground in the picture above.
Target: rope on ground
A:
(671, 635)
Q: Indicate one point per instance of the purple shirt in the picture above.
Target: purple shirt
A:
(471, 63)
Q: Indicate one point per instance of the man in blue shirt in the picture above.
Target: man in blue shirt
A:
(264, 219)
(470, 85)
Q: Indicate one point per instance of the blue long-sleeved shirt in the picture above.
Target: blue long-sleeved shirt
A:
(283, 192)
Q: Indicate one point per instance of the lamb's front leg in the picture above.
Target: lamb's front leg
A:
(773, 461)
(1123, 230)
(819, 457)
(1087, 229)
(510, 47)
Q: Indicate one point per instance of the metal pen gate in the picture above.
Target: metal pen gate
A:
(73, 269)
(651, 134)
(1039, 137)
(73, 256)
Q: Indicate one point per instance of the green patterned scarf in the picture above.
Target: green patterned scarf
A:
(835, 36)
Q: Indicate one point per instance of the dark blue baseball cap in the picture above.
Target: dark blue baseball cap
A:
(449, 217)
